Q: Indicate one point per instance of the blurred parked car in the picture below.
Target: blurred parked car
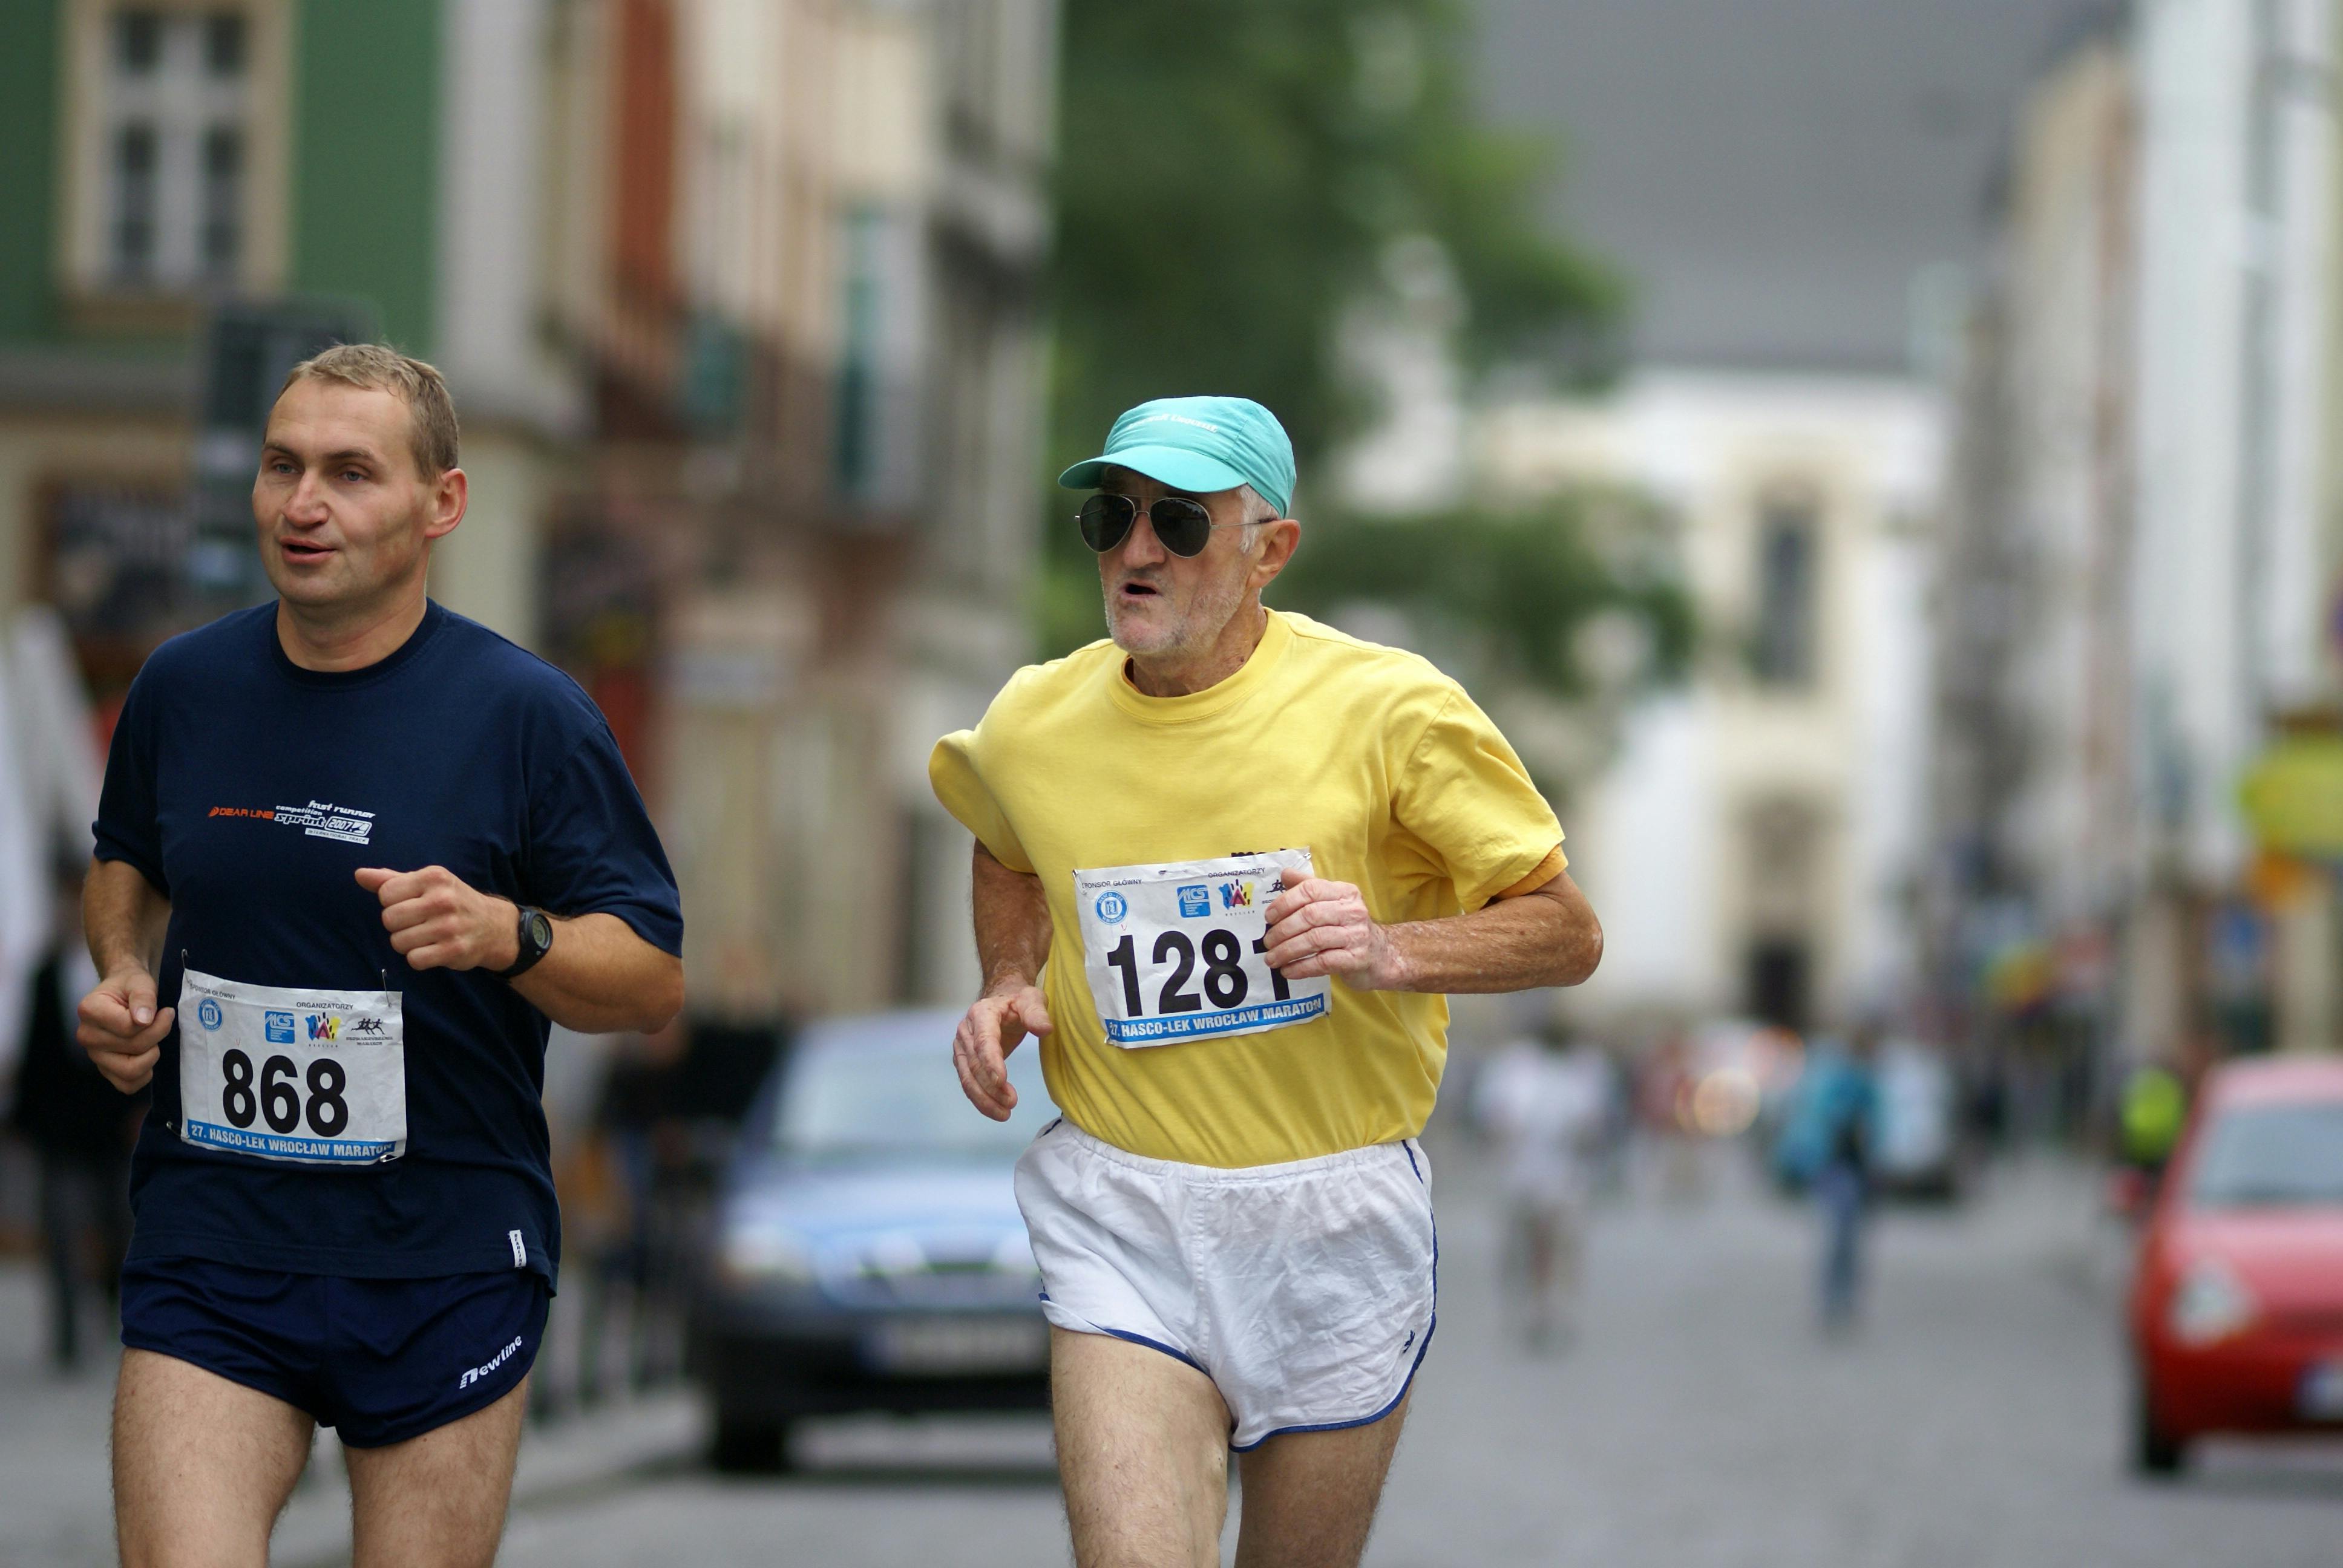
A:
(2236, 1307)
(867, 1254)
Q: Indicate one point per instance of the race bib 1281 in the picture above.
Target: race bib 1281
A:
(1174, 951)
(310, 1076)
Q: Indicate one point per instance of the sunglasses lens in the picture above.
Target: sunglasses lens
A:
(1183, 526)
(1105, 519)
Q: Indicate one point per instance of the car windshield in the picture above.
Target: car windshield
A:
(860, 1098)
(2271, 1154)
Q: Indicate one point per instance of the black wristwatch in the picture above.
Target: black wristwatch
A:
(535, 937)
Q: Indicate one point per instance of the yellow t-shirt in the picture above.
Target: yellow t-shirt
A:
(1368, 757)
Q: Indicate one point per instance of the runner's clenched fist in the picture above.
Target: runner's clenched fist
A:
(122, 1028)
(1321, 927)
(440, 922)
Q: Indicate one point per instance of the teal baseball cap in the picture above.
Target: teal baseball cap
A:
(1198, 444)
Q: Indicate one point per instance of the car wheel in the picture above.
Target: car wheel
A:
(2153, 1451)
(749, 1445)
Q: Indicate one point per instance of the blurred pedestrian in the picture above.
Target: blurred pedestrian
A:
(1546, 1100)
(2154, 1106)
(1664, 1097)
(80, 1128)
(1848, 1111)
(639, 1144)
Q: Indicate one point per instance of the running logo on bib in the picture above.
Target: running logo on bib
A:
(1174, 952)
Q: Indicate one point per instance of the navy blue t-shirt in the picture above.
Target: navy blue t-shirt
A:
(248, 791)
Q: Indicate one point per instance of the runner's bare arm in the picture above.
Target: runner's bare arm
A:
(123, 919)
(1013, 943)
(1546, 936)
(598, 977)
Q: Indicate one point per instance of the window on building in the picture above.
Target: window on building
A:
(172, 121)
(1789, 547)
(857, 409)
(970, 45)
(875, 408)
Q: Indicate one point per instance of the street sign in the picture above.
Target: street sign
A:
(2293, 797)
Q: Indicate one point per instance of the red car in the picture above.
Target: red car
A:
(2236, 1307)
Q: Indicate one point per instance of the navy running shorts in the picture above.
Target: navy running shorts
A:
(381, 1360)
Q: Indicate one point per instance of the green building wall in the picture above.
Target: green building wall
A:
(365, 159)
(363, 162)
(30, 61)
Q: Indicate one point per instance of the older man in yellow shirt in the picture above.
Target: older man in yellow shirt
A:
(1229, 863)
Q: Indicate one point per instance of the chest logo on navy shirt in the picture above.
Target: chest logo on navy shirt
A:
(318, 819)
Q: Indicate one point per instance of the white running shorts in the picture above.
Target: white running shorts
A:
(1304, 1291)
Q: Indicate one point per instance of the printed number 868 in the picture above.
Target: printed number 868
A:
(278, 1097)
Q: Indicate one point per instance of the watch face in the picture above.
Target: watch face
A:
(540, 932)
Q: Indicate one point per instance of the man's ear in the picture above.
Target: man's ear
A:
(1279, 540)
(449, 495)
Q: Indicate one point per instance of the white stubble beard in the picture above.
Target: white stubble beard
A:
(1191, 631)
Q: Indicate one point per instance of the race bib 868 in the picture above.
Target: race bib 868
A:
(1174, 951)
(305, 1076)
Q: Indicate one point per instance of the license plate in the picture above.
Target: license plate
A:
(2320, 1398)
(959, 1345)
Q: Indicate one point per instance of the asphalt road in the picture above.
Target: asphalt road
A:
(1699, 1419)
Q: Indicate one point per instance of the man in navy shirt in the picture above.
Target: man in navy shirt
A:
(354, 852)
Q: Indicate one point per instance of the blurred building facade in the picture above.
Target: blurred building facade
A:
(2031, 802)
(167, 157)
(738, 299)
(818, 380)
(1753, 849)
(2136, 588)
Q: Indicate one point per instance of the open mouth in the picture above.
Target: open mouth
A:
(1140, 590)
(300, 550)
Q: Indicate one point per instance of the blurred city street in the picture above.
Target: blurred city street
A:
(1875, 472)
(1700, 1419)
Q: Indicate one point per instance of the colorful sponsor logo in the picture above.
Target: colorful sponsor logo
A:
(1111, 907)
(1195, 900)
(208, 1013)
(1236, 895)
(279, 1027)
(318, 820)
(325, 1026)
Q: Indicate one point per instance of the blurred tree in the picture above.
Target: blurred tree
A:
(1577, 596)
(1232, 175)
(1235, 176)
(1554, 615)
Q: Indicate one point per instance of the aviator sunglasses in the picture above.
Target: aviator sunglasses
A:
(1183, 524)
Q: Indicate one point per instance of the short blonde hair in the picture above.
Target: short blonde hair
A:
(378, 367)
